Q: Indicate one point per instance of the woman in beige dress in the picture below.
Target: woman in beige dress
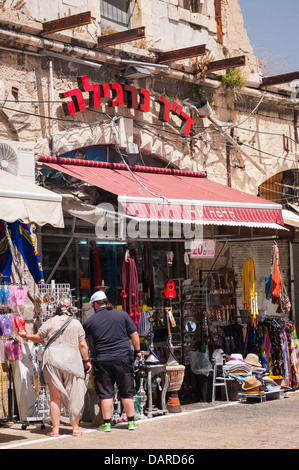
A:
(63, 368)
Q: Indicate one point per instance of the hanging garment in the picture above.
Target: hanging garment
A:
(12, 350)
(129, 278)
(276, 276)
(4, 295)
(148, 275)
(19, 323)
(17, 295)
(21, 238)
(249, 291)
(6, 321)
(294, 358)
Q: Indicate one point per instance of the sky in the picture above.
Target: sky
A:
(273, 30)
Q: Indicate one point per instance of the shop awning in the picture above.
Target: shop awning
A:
(22, 200)
(290, 218)
(174, 197)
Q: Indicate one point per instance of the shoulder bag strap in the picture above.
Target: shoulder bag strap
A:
(58, 333)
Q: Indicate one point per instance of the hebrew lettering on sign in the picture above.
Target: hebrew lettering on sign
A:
(117, 94)
(77, 104)
(132, 101)
(145, 100)
(94, 91)
(122, 95)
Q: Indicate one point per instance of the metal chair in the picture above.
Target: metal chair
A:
(219, 377)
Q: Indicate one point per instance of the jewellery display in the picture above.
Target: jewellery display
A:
(48, 298)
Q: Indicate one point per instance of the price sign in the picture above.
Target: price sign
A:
(202, 249)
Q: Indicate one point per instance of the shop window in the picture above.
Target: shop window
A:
(115, 11)
(193, 5)
(282, 188)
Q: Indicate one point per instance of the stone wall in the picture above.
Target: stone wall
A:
(259, 118)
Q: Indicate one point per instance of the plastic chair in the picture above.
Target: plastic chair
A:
(219, 377)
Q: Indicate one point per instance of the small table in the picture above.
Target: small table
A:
(261, 396)
(153, 370)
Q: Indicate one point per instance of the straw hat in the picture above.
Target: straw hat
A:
(251, 385)
(236, 357)
(253, 360)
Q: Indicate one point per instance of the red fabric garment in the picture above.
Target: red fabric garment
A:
(129, 279)
(19, 323)
(276, 275)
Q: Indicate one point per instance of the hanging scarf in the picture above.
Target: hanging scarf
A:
(276, 276)
(249, 292)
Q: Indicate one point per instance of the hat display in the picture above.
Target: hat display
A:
(251, 385)
(237, 366)
(253, 360)
(97, 296)
(279, 380)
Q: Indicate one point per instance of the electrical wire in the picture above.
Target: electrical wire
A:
(206, 129)
(115, 131)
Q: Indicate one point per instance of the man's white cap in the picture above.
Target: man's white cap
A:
(97, 296)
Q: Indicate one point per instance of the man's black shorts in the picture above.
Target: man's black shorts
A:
(109, 372)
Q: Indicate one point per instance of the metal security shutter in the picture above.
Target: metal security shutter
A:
(260, 252)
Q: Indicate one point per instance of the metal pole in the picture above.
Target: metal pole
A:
(63, 252)
(52, 106)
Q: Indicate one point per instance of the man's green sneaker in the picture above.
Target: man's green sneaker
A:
(131, 425)
(106, 427)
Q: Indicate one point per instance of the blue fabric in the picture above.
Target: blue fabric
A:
(21, 238)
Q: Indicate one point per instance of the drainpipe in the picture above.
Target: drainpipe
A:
(52, 107)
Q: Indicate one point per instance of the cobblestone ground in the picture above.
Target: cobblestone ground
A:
(273, 424)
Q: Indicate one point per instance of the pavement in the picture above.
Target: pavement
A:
(273, 424)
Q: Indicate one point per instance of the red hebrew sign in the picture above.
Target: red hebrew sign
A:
(121, 95)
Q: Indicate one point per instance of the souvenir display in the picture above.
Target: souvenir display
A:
(13, 298)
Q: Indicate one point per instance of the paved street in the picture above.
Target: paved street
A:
(273, 424)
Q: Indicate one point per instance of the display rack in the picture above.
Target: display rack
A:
(11, 306)
(45, 303)
(220, 284)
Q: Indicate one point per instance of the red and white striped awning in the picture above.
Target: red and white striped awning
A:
(173, 195)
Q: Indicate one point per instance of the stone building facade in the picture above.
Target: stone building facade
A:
(260, 119)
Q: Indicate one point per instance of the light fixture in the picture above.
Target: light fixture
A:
(134, 73)
(71, 59)
(146, 64)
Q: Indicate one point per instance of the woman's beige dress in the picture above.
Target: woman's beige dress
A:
(62, 362)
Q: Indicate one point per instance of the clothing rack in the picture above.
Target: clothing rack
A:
(6, 280)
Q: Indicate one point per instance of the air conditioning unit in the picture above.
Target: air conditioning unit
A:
(17, 158)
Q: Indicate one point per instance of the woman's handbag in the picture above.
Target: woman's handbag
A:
(51, 341)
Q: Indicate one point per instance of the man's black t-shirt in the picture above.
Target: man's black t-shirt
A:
(110, 331)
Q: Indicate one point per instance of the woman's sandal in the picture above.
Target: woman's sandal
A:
(78, 433)
(52, 434)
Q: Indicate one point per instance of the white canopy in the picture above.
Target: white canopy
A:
(21, 199)
(290, 218)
